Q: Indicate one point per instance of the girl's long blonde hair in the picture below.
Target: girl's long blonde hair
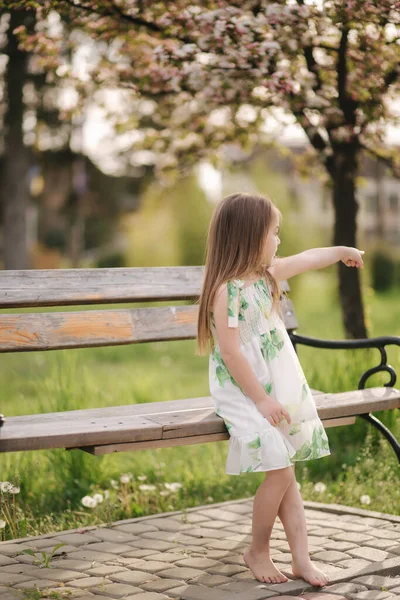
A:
(236, 236)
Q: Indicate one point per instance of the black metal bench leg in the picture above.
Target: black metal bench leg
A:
(385, 431)
(2, 420)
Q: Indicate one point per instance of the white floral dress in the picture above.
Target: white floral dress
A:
(255, 444)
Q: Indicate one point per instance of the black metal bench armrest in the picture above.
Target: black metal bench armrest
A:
(378, 342)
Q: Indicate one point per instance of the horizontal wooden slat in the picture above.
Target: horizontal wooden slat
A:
(87, 329)
(166, 421)
(62, 287)
(190, 440)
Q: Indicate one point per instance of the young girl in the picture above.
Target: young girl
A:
(256, 381)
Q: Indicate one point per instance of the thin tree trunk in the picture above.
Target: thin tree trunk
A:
(343, 170)
(16, 160)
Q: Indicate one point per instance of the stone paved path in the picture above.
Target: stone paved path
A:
(197, 555)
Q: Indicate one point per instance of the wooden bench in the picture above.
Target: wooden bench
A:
(155, 424)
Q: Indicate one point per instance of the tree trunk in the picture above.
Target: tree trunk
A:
(343, 170)
(16, 159)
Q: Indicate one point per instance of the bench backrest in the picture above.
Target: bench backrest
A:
(28, 331)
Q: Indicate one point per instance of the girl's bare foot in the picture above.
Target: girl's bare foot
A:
(263, 568)
(310, 573)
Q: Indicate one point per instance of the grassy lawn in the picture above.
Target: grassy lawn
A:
(362, 470)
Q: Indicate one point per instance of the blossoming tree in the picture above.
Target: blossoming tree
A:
(215, 69)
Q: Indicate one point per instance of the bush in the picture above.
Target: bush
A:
(117, 259)
(383, 271)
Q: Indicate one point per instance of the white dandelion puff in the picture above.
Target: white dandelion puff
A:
(2, 524)
(147, 488)
(320, 487)
(365, 499)
(142, 477)
(173, 486)
(98, 498)
(125, 478)
(88, 501)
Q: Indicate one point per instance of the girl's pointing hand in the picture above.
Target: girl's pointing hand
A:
(352, 257)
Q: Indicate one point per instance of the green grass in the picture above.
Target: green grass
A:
(52, 483)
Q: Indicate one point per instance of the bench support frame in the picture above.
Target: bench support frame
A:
(379, 343)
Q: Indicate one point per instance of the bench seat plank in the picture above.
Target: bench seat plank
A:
(158, 423)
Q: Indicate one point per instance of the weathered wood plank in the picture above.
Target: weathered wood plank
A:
(94, 328)
(80, 432)
(153, 422)
(62, 287)
(190, 440)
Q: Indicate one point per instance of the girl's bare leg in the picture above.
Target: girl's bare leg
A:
(265, 509)
(291, 513)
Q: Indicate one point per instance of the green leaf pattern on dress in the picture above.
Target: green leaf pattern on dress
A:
(271, 343)
(221, 370)
(316, 448)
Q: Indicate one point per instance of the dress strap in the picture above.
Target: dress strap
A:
(234, 286)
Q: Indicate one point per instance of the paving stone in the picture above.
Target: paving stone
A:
(220, 514)
(395, 591)
(236, 587)
(236, 528)
(170, 525)
(154, 545)
(330, 556)
(357, 538)
(13, 578)
(116, 590)
(73, 565)
(212, 580)
(339, 546)
(93, 556)
(105, 570)
(6, 560)
(161, 585)
(382, 544)
(40, 584)
(371, 554)
(395, 549)
(88, 582)
(147, 596)
(181, 573)
(167, 557)
(227, 569)
(61, 575)
(178, 591)
(197, 563)
(132, 577)
(218, 554)
(109, 547)
(386, 534)
(75, 539)
(114, 536)
(138, 553)
(225, 545)
(240, 508)
(206, 532)
(346, 587)
(197, 592)
(136, 528)
(149, 566)
(378, 582)
(354, 563)
(11, 549)
(322, 596)
(370, 595)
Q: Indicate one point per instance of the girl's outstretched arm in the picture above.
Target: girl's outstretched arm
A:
(315, 258)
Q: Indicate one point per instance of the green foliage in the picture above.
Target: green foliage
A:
(383, 270)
